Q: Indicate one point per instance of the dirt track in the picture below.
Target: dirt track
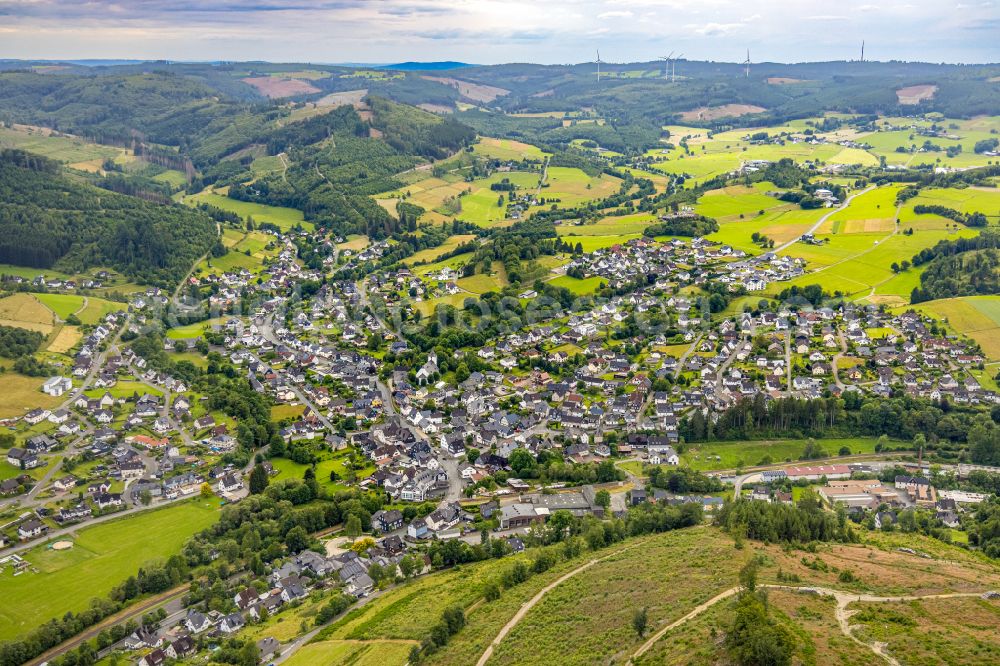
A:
(844, 599)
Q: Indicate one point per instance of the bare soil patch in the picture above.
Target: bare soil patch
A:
(916, 94)
(436, 108)
(274, 87)
(352, 97)
(477, 92)
(724, 111)
(783, 81)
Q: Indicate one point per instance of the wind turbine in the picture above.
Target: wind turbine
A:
(673, 69)
(862, 50)
(598, 65)
(747, 63)
(666, 67)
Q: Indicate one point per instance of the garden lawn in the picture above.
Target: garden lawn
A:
(102, 557)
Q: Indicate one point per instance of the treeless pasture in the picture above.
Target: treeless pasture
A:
(352, 97)
(25, 311)
(477, 92)
(65, 339)
(724, 111)
(274, 88)
(916, 94)
(436, 108)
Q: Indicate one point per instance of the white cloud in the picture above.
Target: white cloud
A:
(715, 29)
(490, 30)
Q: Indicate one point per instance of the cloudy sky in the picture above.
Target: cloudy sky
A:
(494, 31)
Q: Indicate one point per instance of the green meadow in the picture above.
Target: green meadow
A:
(102, 557)
(283, 218)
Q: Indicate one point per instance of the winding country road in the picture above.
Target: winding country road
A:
(813, 228)
(523, 610)
(527, 606)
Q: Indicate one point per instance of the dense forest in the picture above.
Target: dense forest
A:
(15, 342)
(966, 274)
(49, 221)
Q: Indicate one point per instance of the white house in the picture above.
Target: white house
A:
(56, 386)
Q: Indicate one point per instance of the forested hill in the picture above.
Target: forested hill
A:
(49, 221)
(338, 162)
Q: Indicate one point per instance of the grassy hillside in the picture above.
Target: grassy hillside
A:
(586, 617)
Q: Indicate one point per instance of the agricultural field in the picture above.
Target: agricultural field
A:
(283, 218)
(68, 149)
(857, 261)
(580, 287)
(23, 310)
(780, 223)
(591, 243)
(101, 557)
(977, 317)
(451, 197)
(608, 226)
(983, 200)
(64, 340)
(89, 309)
(355, 243)
(247, 250)
(22, 393)
(432, 253)
(507, 149)
(872, 211)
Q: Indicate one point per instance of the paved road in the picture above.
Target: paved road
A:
(267, 332)
(684, 357)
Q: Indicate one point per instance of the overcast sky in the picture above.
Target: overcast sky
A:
(495, 31)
